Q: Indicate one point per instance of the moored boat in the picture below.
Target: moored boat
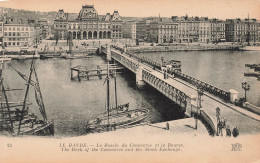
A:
(117, 117)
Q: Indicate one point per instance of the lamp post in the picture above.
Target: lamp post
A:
(162, 59)
(246, 87)
(200, 93)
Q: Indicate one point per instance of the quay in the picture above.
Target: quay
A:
(184, 92)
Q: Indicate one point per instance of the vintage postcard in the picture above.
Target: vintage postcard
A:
(129, 81)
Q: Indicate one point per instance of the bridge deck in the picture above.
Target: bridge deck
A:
(246, 121)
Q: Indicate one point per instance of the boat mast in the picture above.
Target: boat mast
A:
(115, 89)
(108, 98)
(26, 94)
(6, 100)
(37, 87)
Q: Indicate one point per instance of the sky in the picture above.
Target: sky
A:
(222, 9)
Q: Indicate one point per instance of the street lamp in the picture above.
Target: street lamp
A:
(162, 59)
(200, 93)
(246, 87)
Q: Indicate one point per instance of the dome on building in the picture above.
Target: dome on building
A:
(88, 12)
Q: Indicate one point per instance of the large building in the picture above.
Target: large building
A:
(19, 35)
(204, 30)
(163, 32)
(88, 25)
(217, 28)
(188, 28)
(143, 29)
(238, 30)
(129, 29)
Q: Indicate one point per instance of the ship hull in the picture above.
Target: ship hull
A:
(118, 120)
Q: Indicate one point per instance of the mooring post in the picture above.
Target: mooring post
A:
(78, 76)
(87, 75)
(71, 74)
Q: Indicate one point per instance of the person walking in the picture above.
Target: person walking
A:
(235, 132)
(228, 131)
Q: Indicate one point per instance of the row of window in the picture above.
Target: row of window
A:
(16, 43)
(17, 28)
(22, 34)
(15, 39)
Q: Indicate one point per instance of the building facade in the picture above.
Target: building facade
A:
(204, 30)
(217, 29)
(163, 32)
(19, 35)
(238, 30)
(188, 28)
(129, 29)
(143, 29)
(88, 25)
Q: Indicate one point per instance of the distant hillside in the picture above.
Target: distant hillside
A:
(24, 15)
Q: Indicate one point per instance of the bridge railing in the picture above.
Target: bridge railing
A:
(191, 80)
(168, 90)
(206, 87)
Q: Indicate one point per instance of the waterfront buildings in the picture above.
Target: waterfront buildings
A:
(238, 30)
(143, 29)
(129, 29)
(19, 35)
(188, 28)
(88, 25)
(204, 30)
(163, 32)
(217, 30)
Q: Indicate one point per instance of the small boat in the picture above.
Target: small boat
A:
(117, 117)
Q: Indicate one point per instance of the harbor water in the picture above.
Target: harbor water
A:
(70, 103)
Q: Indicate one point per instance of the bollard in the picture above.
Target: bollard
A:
(167, 126)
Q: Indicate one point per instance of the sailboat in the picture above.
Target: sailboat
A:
(117, 117)
(15, 117)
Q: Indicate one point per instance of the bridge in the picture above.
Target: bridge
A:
(183, 90)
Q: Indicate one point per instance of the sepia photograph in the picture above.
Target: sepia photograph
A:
(129, 81)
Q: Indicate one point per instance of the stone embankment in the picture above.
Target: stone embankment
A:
(198, 47)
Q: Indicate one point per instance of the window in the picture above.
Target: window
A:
(13, 33)
(26, 29)
(10, 33)
(13, 28)
(14, 43)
